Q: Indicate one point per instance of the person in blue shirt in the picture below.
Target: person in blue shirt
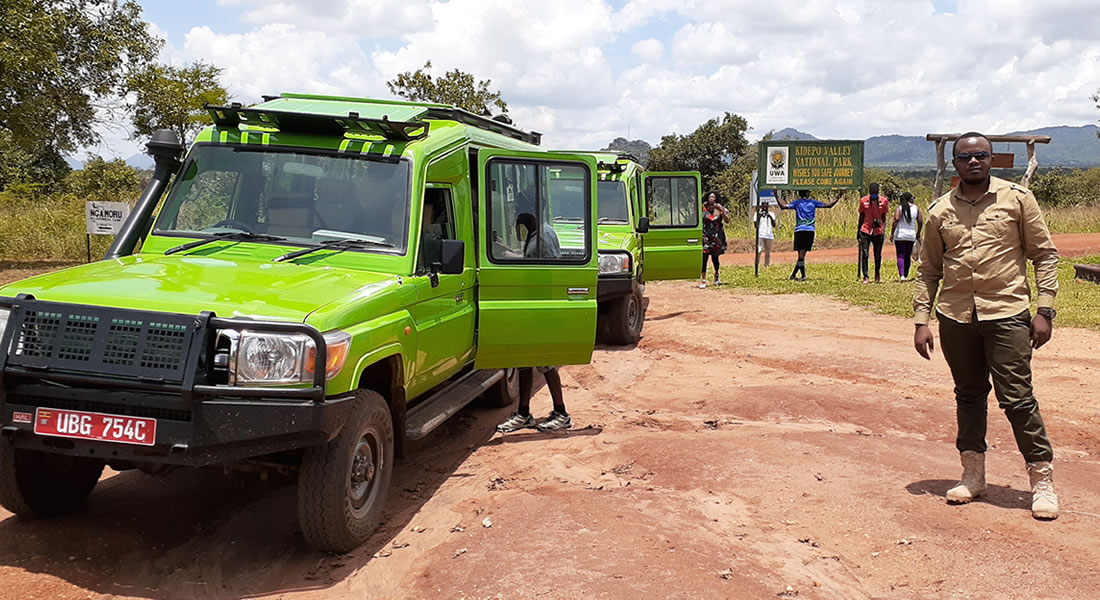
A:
(805, 209)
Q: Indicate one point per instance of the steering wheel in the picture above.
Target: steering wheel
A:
(234, 224)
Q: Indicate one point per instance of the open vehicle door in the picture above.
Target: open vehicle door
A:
(673, 245)
(536, 288)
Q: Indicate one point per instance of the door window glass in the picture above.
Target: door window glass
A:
(672, 201)
(539, 212)
(436, 225)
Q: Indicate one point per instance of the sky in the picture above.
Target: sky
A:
(584, 72)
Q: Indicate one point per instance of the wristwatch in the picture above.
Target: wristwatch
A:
(1047, 312)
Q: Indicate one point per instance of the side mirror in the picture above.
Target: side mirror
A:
(452, 257)
(643, 225)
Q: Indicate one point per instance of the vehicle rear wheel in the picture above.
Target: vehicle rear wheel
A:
(625, 319)
(37, 484)
(504, 392)
(342, 485)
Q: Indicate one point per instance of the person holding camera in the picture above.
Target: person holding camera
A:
(765, 226)
(872, 219)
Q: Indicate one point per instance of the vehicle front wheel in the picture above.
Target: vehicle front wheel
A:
(505, 392)
(625, 319)
(342, 485)
(37, 484)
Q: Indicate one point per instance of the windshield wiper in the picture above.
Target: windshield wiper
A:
(610, 220)
(338, 245)
(232, 236)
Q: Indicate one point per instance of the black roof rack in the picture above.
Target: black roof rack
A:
(487, 123)
(236, 115)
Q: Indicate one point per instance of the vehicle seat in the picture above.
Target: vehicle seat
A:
(338, 206)
(290, 215)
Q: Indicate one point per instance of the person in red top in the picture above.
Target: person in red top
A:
(872, 227)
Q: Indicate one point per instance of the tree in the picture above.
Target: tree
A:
(1096, 99)
(40, 168)
(455, 87)
(710, 149)
(639, 149)
(105, 180)
(63, 60)
(173, 97)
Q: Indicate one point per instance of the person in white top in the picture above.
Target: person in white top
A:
(905, 232)
(765, 221)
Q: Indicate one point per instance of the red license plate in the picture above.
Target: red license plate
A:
(95, 426)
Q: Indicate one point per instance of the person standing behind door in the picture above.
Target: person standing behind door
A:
(905, 231)
(872, 227)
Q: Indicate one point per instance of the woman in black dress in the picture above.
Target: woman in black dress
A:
(715, 216)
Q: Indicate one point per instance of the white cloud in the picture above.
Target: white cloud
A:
(584, 72)
(650, 50)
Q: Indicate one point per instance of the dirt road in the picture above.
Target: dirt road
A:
(769, 446)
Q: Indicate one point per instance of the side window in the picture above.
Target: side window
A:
(672, 201)
(437, 224)
(539, 212)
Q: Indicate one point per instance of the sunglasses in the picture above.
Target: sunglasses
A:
(966, 156)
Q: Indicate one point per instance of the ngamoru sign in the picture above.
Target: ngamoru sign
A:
(818, 164)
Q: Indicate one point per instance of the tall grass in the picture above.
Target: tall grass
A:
(45, 228)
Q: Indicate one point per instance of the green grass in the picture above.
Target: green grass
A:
(1078, 304)
(836, 226)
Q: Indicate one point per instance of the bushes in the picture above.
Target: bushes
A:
(37, 225)
(1057, 187)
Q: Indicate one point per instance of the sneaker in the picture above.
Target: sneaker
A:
(903, 279)
(716, 282)
(556, 421)
(516, 422)
(702, 285)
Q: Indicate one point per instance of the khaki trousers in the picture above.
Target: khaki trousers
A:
(1000, 349)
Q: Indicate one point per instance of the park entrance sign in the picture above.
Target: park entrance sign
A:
(810, 165)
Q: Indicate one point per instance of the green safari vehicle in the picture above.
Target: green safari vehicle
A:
(648, 229)
(317, 282)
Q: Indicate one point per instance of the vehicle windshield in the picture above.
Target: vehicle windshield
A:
(611, 202)
(305, 198)
(566, 199)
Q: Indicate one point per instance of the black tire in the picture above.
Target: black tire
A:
(625, 319)
(504, 392)
(342, 485)
(37, 484)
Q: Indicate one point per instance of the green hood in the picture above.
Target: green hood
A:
(621, 238)
(190, 284)
(608, 237)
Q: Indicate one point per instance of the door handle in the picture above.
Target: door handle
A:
(578, 291)
(693, 241)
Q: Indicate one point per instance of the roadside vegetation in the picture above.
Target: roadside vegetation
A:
(1077, 301)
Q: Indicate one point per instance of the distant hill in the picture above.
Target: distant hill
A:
(140, 161)
(1075, 147)
(637, 148)
(788, 133)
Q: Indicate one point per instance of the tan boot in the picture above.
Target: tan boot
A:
(1044, 502)
(973, 478)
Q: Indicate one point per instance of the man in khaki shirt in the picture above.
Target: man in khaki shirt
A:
(977, 241)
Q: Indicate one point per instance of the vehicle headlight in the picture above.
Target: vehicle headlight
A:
(613, 263)
(262, 358)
